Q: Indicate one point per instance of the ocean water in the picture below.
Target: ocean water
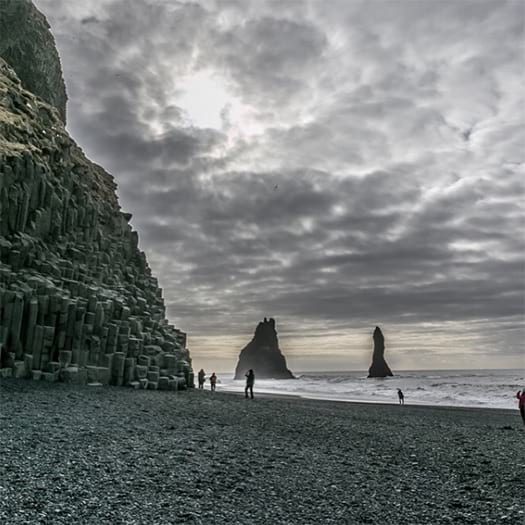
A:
(466, 388)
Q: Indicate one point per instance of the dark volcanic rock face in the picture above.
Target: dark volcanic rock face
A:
(28, 46)
(78, 302)
(379, 368)
(262, 354)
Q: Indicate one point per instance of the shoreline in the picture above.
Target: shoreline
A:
(307, 397)
(474, 389)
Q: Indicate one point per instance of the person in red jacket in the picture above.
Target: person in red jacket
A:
(521, 397)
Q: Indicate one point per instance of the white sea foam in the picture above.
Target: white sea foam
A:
(470, 388)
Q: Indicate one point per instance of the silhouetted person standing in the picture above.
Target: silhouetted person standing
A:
(401, 396)
(250, 380)
(521, 403)
(213, 381)
(202, 377)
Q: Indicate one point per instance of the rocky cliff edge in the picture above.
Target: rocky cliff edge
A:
(28, 46)
(78, 302)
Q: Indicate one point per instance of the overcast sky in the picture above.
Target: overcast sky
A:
(334, 164)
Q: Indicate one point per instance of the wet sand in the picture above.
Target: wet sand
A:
(112, 455)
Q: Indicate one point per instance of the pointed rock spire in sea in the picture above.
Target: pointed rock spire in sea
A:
(379, 368)
(262, 354)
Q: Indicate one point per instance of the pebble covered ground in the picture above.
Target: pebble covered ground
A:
(107, 455)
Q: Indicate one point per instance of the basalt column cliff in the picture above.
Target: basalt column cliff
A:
(78, 302)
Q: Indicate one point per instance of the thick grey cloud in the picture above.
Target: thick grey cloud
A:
(364, 166)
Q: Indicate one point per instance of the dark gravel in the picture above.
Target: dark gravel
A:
(112, 455)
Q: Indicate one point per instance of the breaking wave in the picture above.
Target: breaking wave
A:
(470, 388)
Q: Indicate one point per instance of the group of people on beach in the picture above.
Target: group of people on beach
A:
(248, 390)
(250, 381)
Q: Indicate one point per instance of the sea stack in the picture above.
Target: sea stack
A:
(379, 368)
(262, 354)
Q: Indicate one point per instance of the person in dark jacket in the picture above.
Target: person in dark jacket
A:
(202, 377)
(401, 396)
(250, 380)
(213, 381)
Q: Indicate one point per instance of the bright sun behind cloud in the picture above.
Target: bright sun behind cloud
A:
(203, 100)
(207, 102)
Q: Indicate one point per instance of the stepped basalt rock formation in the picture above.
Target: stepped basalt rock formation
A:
(262, 354)
(379, 368)
(28, 46)
(78, 302)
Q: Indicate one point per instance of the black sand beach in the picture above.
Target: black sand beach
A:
(113, 455)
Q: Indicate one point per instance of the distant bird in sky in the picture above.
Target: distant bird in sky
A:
(466, 133)
(275, 187)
